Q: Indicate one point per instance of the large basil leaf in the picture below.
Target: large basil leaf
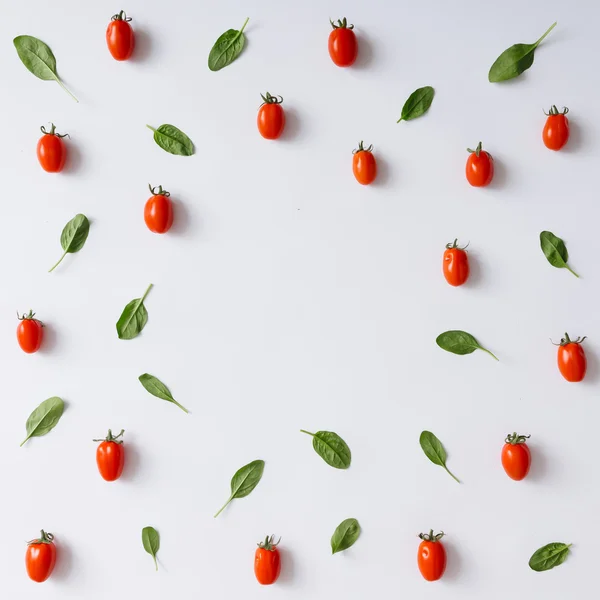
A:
(549, 556)
(173, 140)
(73, 236)
(157, 388)
(555, 251)
(39, 59)
(151, 542)
(418, 103)
(459, 342)
(516, 59)
(227, 48)
(244, 481)
(345, 535)
(133, 318)
(434, 451)
(44, 418)
(331, 448)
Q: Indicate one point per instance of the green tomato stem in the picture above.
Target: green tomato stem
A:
(571, 271)
(451, 475)
(547, 32)
(223, 507)
(492, 355)
(58, 263)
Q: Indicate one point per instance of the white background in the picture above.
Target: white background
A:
(287, 296)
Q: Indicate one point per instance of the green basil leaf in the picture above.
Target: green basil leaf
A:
(434, 451)
(555, 251)
(133, 318)
(418, 103)
(157, 388)
(549, 556)
(227, 48)
(516, 59)
(39, 59)
(44, 418)
(459, 342)
(73, 236)
(345, 535)
(173, 140)
(151, 542)
(244, 481)
(331, 448)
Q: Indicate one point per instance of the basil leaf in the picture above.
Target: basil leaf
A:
(227, 48)
(434, 451)
(151, 542)
(555, 251)
(331, 448)
(157, 388)
(459, 342)
(133, 318)
(516, 59)
(345, 535)
(173, 140)
(44, 418)
(73, 236)
(418, 103)
(244, 481)
(549, 556)
(38, 59)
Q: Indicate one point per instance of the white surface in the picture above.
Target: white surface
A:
(288, 296)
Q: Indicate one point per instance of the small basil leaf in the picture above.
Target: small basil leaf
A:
(459, 342)
(244, 481)
(133, 318)
(44, 418)
(516, 59)
(227, 48)
(418, 103)
(549, 556)
(73, 236)
(157, 388)
(331, 448)
(555, 251)
(173, 140)
(434, 451)
(151, 542)
(345, 535)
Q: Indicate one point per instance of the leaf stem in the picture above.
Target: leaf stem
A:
(492, 355)
(64, 87)
(451, 475)
(571, 270)
(223, 507)
(21, 444)
(307, 432)
(151, 128)
(248, 18)
(183, 408)
(547, 32)
(155, 561)
(58, 263)
(145, 293)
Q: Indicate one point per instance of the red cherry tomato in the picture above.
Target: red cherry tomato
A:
(516, 458)
(267, 561)
(364, 165)
(51, 150)
(30, 333)
(480, 167)
(119, 37)
(432, 556)
(343, 47)
(40, 557)
(556, 129)
(571, 359)
(158, 212)
(110, 456)
(455, 264)
(271, 118)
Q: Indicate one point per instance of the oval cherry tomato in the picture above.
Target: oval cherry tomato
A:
(110, 456)
(556, 129)
(343, 47)
(516, 458)
(571, 359)
(364, 165)
(158, 212)
(267, 561)
(40, 557)
(432, 556)
(30, 333)
(455, 264)
(51, 150)
(119, 37)
(480, 167)
(271, 118)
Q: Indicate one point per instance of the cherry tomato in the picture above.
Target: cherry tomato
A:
(110, 456)
(556, 129)
(40, 557)
(158, 212)
(455, 264)
(267, 561)
(571, 358)
(364, 165)
(51, 150)
(516, 458)
(343, 47)
(432, 556)
(271, 118)
(480, 167)
(119, 37)
(30, 333)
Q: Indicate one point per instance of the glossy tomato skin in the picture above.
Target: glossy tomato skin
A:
(40, 558)
(480, 167)
(572, 362)
(431, 559)
(120, 38)
(516, 457)
(267, 562)
(556, 130)
(51, 153)
(158, 213)
(110, 457)
(30, 333)
(455, 265)
(271, 120)
(343, 47)
(364, 165)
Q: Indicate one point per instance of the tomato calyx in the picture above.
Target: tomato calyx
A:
(361, 148)
(454, 244)
(268, 99)
(431, 537)
(567, 340)
(554, 111)
(121, 16)
(160, 192)
(477, 150)
(30, 316)
(515, 439)
(45, 538)
(112, 438)
(269, 543)
(341, 24)
(53, 131)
